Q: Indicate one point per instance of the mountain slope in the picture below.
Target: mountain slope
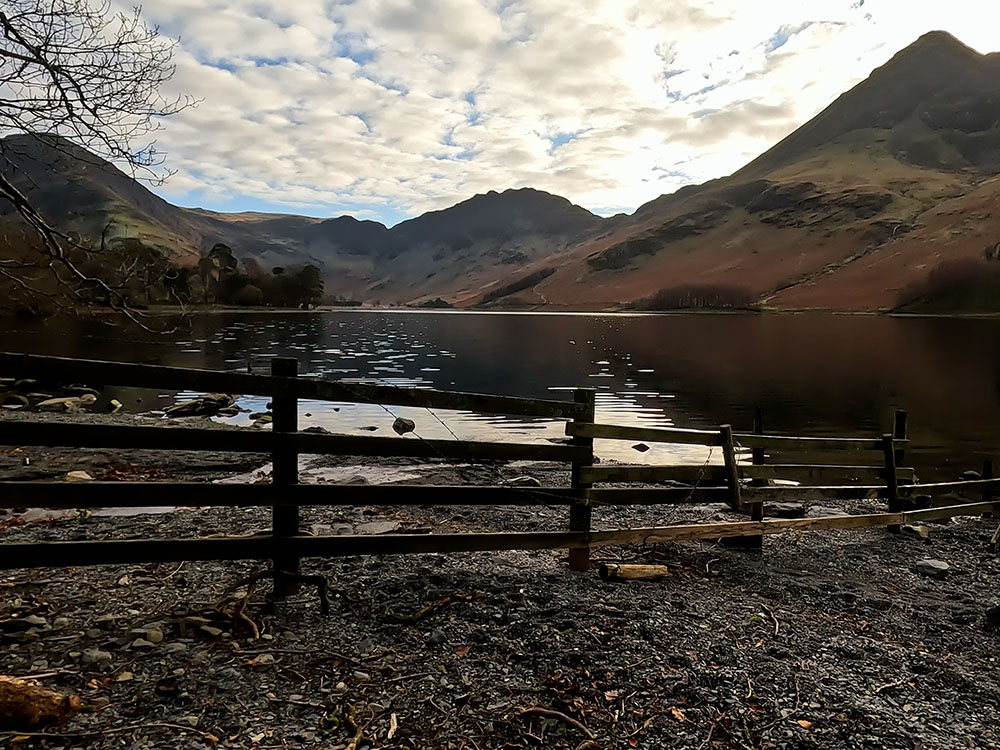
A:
(841, 214)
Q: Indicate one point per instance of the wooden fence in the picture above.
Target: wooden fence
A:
(706, 483)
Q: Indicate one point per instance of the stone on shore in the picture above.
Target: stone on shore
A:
(67, 403)
(402, 426)
(203, 406)
(932, 568)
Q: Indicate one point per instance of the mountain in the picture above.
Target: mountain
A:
(893, 183)
(457, 252)
(888, 198)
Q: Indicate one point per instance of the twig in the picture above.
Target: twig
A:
(772, 616)
(888, 685)
(553, 714)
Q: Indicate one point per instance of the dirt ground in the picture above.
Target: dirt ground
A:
(820, 640)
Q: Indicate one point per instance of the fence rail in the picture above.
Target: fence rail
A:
(743, 486)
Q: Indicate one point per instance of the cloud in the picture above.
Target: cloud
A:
(395, 107)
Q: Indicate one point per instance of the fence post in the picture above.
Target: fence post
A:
(580, 510)
(899, 429)
(988, 489)
(285, 472)
(891, 486)
(732, 471)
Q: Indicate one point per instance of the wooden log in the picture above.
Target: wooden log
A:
(60, 554)
(891, 487)
(580, 511)
(284, 474)
(932, 487)
(626, 572)
(777, 526)
(732, 470)
(195, 494)
(133, 551)
(820, 472)
(816, 444)
(182, 378)
(645, 434)
(258, 441)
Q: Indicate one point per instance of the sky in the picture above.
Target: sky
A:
(385, 109)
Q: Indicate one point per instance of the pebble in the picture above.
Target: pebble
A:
(154, 636)
(187, 721)
(211, 630)
(141, 643)
(437, 638)
(95, 656)
(920, 532)
(175, 648)
(932, 568)
(993, 615)
(362, 676)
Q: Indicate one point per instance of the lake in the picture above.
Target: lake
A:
(812, 374)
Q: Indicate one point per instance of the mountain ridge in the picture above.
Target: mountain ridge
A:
(843, 213)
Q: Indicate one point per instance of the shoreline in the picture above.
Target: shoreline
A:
(823, 639)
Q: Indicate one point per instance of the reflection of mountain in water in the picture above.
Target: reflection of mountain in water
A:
(812, 374)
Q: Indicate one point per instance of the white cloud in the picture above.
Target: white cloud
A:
(416, 104)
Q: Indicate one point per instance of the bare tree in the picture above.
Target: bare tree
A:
(78, 70)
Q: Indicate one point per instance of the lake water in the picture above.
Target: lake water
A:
(811, 374)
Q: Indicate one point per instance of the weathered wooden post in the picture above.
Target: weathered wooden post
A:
(580, 510)
(732, 470)
(284, 473)
(891, 485)
(988, 488)
(899, 429)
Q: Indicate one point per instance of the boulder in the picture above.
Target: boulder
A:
(402, 426)
(203, 406)
(932, 568)
(67, 403)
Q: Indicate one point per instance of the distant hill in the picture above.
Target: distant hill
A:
(458, 251)
(887, 199)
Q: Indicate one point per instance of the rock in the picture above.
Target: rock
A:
(920, 532)
(212, 631)
(227, 411)
(377, 527)
(114, 406)
(141, 643)
(524, 481)
(402, 426)
(437, 638)
(369, 428)
(175, 648)
(970, 476)
(77, 476)
(932, 568)
(922, 502)
(318, 429)
(154, 635)
(264, 419)
(95, 656)
(187, 721)
(641, 447)
(68, 403)
(203, 406)
(784, 510)
(993, 615)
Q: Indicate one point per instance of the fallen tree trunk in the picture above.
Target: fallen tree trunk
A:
(24, 705)
(623, 572)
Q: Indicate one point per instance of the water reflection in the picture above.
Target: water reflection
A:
(811, 374)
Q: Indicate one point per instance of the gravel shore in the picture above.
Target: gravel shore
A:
(820, 640)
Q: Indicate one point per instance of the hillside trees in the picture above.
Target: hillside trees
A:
(78, 70)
